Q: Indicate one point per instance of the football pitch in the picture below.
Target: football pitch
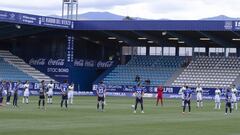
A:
(82, 118)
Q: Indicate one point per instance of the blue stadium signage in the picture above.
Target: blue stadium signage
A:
(237, 25)
(228, 25)
(55, 22)
(189, 25)
(185, 25)
(172, 92)
(35, 20)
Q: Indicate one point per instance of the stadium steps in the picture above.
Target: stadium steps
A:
(10, 72)
(23, 66)
(174, 77)
(103, 75)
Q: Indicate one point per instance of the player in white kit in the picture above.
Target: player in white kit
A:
(234, 97)
(181, 92)
(70, 93)
(50, 87)
(199, 92)
(217, 99)
(26, 92)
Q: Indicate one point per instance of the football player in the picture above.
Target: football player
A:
(50, 87)
(187, 99)
(64, 90)
(42, 94)
(101, 90)
(228, 99)
(181, 92)
(199, 92)
(139, 92)
(234, 97)
(70, 93)
(26, 92)
(217, 99)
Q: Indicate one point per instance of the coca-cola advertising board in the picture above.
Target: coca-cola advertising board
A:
(93, 63)
(59, 69)
(55, 68)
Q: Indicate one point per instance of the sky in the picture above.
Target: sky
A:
(150, 9)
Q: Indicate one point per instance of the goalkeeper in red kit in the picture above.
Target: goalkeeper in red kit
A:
(159, 95)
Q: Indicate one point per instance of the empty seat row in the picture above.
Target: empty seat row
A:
(210, 72)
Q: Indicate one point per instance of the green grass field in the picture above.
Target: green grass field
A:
(118, 119)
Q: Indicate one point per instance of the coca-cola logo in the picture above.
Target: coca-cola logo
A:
(106, 64)
(79, 63)
(37, 62)
(57, 62)
(89, 63)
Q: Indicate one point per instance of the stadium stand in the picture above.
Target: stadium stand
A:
(9, 72)
(13, 68)
(210, 72)
(158, 69)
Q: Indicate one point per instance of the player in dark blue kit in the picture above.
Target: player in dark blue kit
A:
(139, 92)
(187, 94)
(64, 89)
(9, 91)
(15, 94)
(228, 99)
(42, 95)
(1, 92)
(101, 90)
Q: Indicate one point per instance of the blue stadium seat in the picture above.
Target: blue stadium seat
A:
(9, 72)
(158, 69)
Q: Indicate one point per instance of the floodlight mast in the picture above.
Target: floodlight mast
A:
(70, 6)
